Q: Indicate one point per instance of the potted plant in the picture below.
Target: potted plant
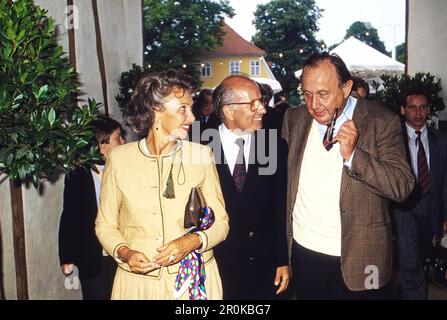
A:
(395, 87)
(42, 129)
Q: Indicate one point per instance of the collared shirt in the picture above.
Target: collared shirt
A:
(347, 114)
(97, 180)
(97, 176)
(414, 147)
(231, 149)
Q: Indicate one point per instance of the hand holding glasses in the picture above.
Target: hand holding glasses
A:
(328, 139)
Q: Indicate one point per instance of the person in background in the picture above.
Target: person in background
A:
(272, 118)
(253, 260)
(78, 245)
(346, 162)
(424, 214)
(204, 110)
(145, 190)
(360, 88)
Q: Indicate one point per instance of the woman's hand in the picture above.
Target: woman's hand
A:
(137, 261)
(177, 249)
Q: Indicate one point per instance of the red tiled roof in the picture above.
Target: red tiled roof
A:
(234, 45)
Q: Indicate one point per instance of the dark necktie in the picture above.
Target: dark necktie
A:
(326, 143)
(239, 173)
(423, 174)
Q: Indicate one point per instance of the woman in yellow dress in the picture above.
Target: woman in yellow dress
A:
(145, 188)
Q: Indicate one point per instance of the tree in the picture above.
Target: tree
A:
(41, 129)
(401, 53)
(177, 33)
(366, 33)
(286, 29)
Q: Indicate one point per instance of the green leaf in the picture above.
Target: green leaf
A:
(22, 173)
(42, 91)
(9, 159)
(21, 152)
(3, 154)
(81, 143)
(13, 136)
(11, 34)
(51, 117)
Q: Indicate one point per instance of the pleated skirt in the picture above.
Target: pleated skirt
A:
(132, 286)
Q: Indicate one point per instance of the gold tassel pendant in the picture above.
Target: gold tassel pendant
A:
(169, 191)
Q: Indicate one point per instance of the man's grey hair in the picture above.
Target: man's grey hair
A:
(226, 94)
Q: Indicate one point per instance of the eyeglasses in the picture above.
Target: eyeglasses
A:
(254, 104)
(330, 131)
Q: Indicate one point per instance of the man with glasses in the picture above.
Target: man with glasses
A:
(253, 260)
(423, 215)
(346, 161)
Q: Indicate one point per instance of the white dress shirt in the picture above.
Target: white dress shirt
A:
(231, 149)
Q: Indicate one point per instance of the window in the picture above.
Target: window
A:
(206, 69)
(255, 68)
(235, 67)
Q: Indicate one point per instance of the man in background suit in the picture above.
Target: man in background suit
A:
(423, 215)
(78, 244)
(346, 161)
(252, 260)
(206, 117)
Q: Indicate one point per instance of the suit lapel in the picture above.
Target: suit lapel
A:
(359, 118)
(433, 149)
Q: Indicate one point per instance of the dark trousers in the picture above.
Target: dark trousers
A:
(414, 235)
(100, 286)
(318, 276)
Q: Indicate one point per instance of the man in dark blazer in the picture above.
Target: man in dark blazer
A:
(423, 215)
(346, 161)
(251, 164)
(78, 245)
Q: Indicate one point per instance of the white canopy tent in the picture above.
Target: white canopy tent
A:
(274, 84)
(365, 61)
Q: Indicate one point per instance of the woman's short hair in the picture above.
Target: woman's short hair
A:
(149, 95)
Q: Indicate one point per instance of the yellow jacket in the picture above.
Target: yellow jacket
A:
(133, 211)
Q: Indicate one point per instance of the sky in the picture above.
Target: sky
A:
(387, 16)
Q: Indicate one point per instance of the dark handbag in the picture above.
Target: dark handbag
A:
(194, 210)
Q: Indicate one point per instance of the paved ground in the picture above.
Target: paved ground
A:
(437, 293)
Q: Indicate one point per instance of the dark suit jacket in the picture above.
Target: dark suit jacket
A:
(212, 123)
(437, 197)
(256, 244)
(379, 172)
(78, 243)
(272, 119)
